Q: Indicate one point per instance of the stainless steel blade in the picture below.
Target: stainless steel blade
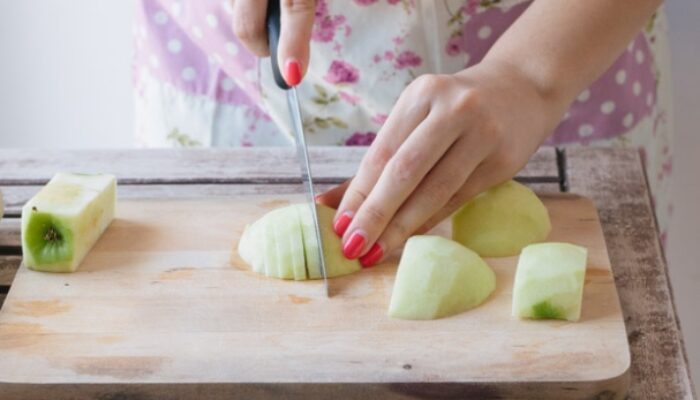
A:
(303, 154)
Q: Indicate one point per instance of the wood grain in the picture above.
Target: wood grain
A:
(615, 179)
(192, 166)
(106, 323)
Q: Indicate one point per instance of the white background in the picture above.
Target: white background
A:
(65, 76)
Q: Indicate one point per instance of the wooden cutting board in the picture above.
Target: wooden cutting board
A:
(161, 300)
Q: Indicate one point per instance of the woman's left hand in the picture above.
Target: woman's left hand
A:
(448, 138)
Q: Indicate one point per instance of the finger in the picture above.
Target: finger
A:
(433, 193)
(332, 197)
(249, 25)
(404, 118)
(297, 22)
(402, 174)
(484, 177)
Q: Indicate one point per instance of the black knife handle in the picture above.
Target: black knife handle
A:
(272, 21)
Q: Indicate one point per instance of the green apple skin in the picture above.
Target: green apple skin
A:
(438, 277)
(65, 219)
(549, 281)
(501, 221)
(285, 240)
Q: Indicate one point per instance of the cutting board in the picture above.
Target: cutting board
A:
(162, 299)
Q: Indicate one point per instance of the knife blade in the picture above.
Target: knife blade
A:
(273, 32)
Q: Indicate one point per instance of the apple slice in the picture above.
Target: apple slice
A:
(336, 263)
(549, 281)
(288, 240)
(438, 277)
(64, 220)
(285, 240)
(272, 269)
(501, 221)
(250, 240)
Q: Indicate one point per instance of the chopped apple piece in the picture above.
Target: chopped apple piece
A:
(501, 221)
(549, 281)
(438, 277)
(285, 241)
(64, 220)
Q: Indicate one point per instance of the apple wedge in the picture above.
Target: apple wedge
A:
(438, 277)
(64, 220)
(283, 241)
(549, 281)
(501, 221)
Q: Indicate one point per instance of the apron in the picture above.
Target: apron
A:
(196, 85)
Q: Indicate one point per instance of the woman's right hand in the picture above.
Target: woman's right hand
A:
(296, 25)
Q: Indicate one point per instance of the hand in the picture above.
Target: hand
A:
(448, 138)
(296, 26)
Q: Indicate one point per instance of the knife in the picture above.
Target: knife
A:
(273, 34)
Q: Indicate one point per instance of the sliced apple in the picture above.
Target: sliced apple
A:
(501, 221)
(549, 281)
(64, 220)
(285, 239)
(438, 277)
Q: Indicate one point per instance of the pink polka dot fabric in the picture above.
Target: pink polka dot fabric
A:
(610, 107)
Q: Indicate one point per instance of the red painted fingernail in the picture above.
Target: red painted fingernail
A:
(354, 245)
(374, 254)
(342, 223)
(292, 72)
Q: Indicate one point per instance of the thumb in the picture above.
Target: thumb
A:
(297, 22)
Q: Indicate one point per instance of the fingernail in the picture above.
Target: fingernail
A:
(317, 198)
(292, 72)
(342, 223)
(374, 254)
(354, 245)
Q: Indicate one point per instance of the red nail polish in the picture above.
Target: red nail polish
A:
(342, 223)
(354, 245)
(292, 72)
(374, 254)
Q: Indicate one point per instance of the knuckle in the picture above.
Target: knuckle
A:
(299, 6)
(404, 167)
(398, 231)
(374, 215)
(441, 190)
(428, 83)
(247, 31)
(356, 195)
(377, 157)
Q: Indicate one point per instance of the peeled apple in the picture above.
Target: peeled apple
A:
(549, 281)
(282, 244)
(438, 277)
(501, 221)
(64, 220)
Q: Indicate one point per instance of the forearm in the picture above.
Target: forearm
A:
(562, 46)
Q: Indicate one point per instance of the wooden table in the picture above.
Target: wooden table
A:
(613, 178)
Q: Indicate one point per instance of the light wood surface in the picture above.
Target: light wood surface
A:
(158, 301)
(612, 177)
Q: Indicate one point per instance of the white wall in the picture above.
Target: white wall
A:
(65, 73)
(65, 81)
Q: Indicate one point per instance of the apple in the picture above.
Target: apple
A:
(282, 244)
(64, 220)
(501, 221)
(438, 277)
(549, 281)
